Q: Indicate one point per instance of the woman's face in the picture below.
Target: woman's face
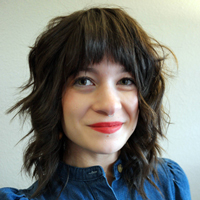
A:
(100, 108)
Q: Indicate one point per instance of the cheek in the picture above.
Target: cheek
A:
(131, 105)
(70, 107)
(68, 104)
(132, 111)
(74, 106)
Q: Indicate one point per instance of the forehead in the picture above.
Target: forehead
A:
(101, 67)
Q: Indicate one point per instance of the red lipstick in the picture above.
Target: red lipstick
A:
(107, 127)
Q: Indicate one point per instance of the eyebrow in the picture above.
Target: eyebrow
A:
(90, 69)
(93, 70)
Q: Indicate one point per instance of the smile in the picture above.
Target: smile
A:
(107, 127)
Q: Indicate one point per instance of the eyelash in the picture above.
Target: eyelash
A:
(76, 81)
(128, 79)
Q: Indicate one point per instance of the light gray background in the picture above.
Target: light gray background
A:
(174, 23)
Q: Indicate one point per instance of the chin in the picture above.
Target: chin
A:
(108, 149)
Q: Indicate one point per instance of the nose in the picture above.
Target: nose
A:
(107, 101)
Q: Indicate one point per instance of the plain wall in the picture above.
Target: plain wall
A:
(173, 23)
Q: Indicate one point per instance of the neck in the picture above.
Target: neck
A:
(84, 159)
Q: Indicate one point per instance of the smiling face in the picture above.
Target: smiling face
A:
(104, 93)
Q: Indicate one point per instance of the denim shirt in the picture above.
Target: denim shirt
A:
(91, 184)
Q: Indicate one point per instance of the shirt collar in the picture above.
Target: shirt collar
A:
(86, 174)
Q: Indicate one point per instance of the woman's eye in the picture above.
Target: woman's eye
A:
(126, 81)
(83, 81)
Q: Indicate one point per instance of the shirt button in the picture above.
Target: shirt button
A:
(120, 168)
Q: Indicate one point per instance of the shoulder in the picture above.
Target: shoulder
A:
(8, 193)
(11, 194)
(171, 175)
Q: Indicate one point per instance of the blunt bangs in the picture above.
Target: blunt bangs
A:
(100, 33)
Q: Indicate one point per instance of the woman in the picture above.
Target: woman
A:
(97, 83)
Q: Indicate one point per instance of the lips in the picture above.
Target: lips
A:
(107, 127)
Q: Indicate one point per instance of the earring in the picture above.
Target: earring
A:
(60, 135)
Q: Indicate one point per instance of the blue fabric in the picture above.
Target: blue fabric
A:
(91, 184)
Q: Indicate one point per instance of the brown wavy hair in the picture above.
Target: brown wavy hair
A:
(70, 44)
